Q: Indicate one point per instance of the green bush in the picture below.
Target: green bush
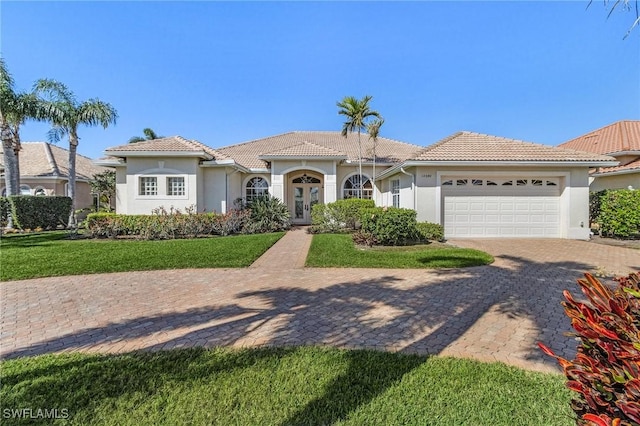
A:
(595, 200)
(268, 214)
(31, 211)
(4, 211)
(430, 231)
(163, 224)
(390, 226)
(339, 216)
(606, 371)
(619, 214)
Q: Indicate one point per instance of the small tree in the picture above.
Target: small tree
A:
(104, 186)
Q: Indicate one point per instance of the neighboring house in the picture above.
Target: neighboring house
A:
(473, 184)
(620, 140)
(44, 170)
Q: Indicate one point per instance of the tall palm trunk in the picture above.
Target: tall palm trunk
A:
(360, 165)
(73, 147)
(10, 162)
(373, 179)
(16, 149)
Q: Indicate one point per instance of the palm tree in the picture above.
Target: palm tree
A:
(149, 135)
(357, 112)
(373, 128)
(15, 109)
(66, 114)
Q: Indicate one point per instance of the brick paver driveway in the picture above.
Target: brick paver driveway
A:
(495, 312)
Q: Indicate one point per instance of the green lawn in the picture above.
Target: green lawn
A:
(283, 386)
(338, 250)
(53, 254)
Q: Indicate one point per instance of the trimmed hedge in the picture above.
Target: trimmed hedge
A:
(339, 216)
(618, 212)
(4, 211)
(430, 231)
(32, 211)
(390, 226)
(166, 226)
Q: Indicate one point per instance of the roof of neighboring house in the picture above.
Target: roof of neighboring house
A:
(170, 144)
(469, 146)
(631, 167)
(622, 136)
(319, 144)
(42, 159)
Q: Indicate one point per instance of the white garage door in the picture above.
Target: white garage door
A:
(501, 207)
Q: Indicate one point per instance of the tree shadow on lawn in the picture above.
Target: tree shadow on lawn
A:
(413, 313)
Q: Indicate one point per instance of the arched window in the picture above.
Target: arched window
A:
(351, 188)
(25, 190)
(256, 187)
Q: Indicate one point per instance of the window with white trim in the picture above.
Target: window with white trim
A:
(351, 188)
(175, 186)
(148, 185)
(256, 187)
(395, 192)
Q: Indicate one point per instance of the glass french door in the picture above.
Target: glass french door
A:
(305, 196)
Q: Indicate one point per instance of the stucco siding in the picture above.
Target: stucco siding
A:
(622, 181)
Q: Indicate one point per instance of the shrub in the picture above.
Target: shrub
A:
(619, 214)
(606, 371)
(339, 216)
(430, 231)
(364, 238)
(4, 211)
(268, 214)
(595, 200)
(390, 226)
(31, 212)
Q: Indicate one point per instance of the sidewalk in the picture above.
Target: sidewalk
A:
(290, 252)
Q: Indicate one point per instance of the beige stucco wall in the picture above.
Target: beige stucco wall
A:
(161, 168)
(428, 199)
(57, 186)
(622, 181)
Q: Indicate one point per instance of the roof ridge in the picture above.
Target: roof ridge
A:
(256, 140)
(50, 159)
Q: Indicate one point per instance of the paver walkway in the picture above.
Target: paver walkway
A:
(495, 312)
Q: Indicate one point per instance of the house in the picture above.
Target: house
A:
(473, 184)
(620, 140)
(44, 170)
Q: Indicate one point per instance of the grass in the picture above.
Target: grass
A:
(338, 250)
(283, 386)
(53, 254)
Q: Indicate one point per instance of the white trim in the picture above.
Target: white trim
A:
(161, 176)
(124, 154)
(455, 163)
(347, 177)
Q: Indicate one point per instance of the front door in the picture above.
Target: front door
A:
(306, 192)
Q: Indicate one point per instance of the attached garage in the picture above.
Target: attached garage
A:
(502, 207)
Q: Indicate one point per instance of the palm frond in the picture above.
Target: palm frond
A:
(54, 91)
(136, 139)
(56, 134)
(94, 112)
(149, 133)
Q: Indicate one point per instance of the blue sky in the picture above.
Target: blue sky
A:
(228, 72)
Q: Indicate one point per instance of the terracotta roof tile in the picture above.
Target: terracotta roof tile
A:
(172, 143)
(469, 146)
(617, 137)
(42, 159)
(387, 150)
(634, 165)
(304, 149)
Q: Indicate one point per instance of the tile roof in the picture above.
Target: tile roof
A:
(387, 150)
(632, 166)
(170, 144)
(469, 146)
(617, 137)
(304, 149)
(42, 159)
